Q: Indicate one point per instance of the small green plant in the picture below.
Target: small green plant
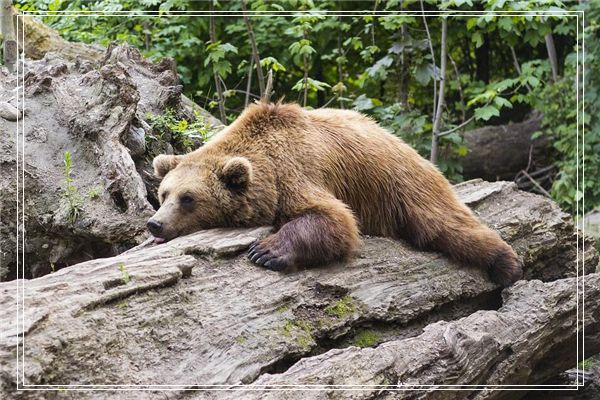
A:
(183, 132)
(366, 338)
(341, 308)
(94, 192)
(124, 274)
(123, 304)
(70, 193)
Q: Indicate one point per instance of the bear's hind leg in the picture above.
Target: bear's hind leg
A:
(324, 232)
(477, 244)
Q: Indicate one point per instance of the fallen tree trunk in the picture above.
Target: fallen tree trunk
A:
(501, 152)
(133, 320)
(534, 328)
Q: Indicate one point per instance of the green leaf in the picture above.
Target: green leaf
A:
(424, 73)
(487, 112)
(502, 102)
(364, 103)
(478, 39)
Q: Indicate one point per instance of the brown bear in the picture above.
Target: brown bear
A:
(320, 177)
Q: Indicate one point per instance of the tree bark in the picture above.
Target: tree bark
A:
(8, 35)
(194, 311)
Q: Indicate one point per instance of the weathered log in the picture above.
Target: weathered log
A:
(40, 39)
(500, 152)
(535, 327)
(132, 319)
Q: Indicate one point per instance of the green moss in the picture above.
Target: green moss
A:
(586, 364)
(241, 339)
(341, 308)
(282, 308)
(300, 331)
(366, 338)
(94, 192)
(123, 304)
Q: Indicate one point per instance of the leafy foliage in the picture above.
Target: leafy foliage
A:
(182, 133)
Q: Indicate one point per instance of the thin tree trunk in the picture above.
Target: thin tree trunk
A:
(339, 63)
(432, 60)
(146, 26)
(8, 35)
(255, 54)
(403, 73)
(552, 56)
(318, 68)
(517, 65)
(460, 90)
(305, 80)
(213, 39)
(249, 83)
(440, 102)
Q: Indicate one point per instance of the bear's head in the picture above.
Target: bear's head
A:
(199, 194)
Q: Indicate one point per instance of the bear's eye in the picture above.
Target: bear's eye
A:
(163, 196)
(186, 199)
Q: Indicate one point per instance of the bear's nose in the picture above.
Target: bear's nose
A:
(154, 226)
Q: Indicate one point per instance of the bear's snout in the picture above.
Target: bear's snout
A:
(154, 226)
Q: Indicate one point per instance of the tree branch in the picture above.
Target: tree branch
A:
(462, 125)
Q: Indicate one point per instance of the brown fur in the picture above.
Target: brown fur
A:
(322, 176)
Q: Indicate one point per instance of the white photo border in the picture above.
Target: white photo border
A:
(21, 386)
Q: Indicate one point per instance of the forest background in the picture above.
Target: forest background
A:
(426, 70)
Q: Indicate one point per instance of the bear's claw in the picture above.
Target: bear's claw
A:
(265, 258)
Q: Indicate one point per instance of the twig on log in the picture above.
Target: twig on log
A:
(536, 184)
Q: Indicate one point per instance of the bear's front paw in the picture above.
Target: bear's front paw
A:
(267, 256)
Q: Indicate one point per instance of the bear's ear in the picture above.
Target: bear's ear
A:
(236, 173)
(164, 163)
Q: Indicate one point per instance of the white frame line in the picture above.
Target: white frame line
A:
(252, 387)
